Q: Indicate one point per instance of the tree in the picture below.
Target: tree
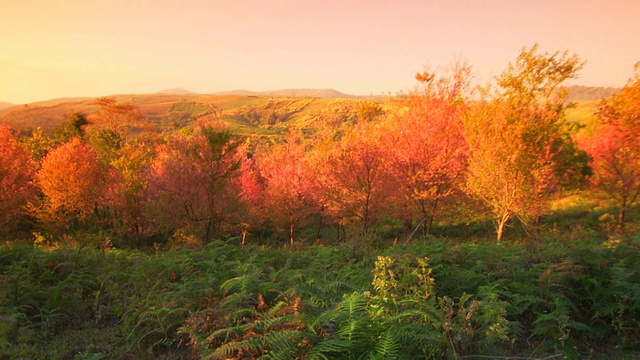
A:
(72, 182)
(193, 182)
(251, 185)
(354, 176)
(289, 187)
(615, 147)
(72, 127)
(521, 153)
(39, 144)
(119, 118)
(106, 143)
(17, 175)
(129, 189)
(431, 162)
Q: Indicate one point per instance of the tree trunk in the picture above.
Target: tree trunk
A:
(621, 218)
(319, 228)
(502, 224)
(428, 226)
(291, 229)
(406, 242)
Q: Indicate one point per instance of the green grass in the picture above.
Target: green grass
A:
(195, 109)
(584, 112)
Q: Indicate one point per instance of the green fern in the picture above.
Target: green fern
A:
(251, 346)
(387, 346)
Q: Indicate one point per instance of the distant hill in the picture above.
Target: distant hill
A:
(245, 112)
(578, 93)
(4, 105)
(250, 113)
(319, 93)
(176, 91)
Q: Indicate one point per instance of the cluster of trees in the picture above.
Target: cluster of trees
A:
(504, 148)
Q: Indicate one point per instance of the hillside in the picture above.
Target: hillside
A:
(319, 93)
(578, 93)
(245, 112)
(248, 113)
(176, 91)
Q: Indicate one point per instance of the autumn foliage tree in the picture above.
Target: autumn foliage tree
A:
(289, 196)
(429, 149)
(354, 174)
(615, 147)
(193, 183)
(72, 181)
(17, 175)
(520, 151)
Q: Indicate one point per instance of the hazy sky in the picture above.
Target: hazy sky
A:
(51, 49)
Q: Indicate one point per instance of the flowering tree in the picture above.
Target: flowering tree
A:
(353, 173)
(615, 147)
(193, 183)
(17, 175)
(289, 197)
(251, 185)
(429, 149)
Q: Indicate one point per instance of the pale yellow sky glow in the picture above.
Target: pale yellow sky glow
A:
(51, 49)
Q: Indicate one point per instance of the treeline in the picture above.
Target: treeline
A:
(503, 149)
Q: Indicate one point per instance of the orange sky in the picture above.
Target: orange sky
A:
(51, 49)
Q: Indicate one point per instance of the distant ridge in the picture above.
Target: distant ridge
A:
(579, 93)
(176, 91)
(318, 93)
(4, 105)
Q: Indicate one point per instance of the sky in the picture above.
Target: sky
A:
(72, 48)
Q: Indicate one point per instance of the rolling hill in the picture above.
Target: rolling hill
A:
(248, 112)
(4, 105)
(579, 93)
(176, 91)
(319, 93)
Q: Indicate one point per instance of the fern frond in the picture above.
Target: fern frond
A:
(251, 345)
(283, 344)
(329, 349)
(387, 346)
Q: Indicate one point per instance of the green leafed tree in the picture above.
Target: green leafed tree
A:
(72, 127)
(38, 143)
